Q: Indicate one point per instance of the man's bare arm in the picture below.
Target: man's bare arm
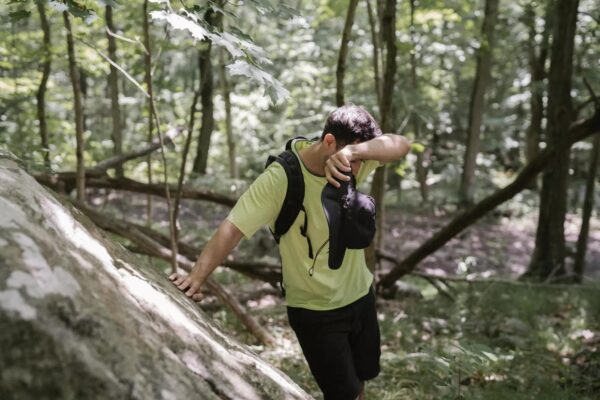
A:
(384, 148)
(215, 251)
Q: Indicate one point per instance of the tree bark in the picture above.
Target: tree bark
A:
(537, 63)
(113, 84)
(477, 104)
(341, 62)
(226, 90)
(576, 133)
(421, 168)
(78, 107)
(148, 81)
(388, 30)
(548, 258)
(376, 49)
(41, 93)
(186, 150)
(588, 206)
(206, 98)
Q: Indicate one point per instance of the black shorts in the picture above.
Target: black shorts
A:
(341, 346)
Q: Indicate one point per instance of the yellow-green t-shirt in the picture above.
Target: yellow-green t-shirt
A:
(325, 289)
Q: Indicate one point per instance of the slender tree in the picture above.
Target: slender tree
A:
(41, 93)
(78, 107)
(588, 206)
(206, 97)
(477, 105)
(421, 169)
(376, 51)
(549, 254)
(148, 81)
(341, 63)
(113, 84)
(388, 33)
(226, 91)
(537, 56)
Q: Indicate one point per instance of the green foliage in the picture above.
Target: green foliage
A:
(495, 341)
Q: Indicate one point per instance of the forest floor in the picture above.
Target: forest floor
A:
(491, 340)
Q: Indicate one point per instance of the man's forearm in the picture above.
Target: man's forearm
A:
(215, 251)
(384, 148)
(217, 248)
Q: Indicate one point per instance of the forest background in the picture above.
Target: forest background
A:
(499, 99)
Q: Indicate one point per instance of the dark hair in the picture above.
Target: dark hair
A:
(349, 123)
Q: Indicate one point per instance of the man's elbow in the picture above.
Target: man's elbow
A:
(403, 146)
(398, 147)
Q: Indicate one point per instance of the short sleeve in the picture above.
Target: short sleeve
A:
(260, 204)
(365, 170)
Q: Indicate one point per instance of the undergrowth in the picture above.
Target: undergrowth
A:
(492, 341)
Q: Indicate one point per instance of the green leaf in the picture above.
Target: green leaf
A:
(417, 147)
(274, 87)
(179, 22)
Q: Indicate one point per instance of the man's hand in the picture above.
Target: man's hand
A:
(215, 251)
(190, 284)
(340, 161)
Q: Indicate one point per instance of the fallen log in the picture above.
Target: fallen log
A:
(462, 221)
(66, 180)
(131, 233)
(266, 272)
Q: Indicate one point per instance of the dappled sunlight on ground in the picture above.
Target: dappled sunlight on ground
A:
(499, 247)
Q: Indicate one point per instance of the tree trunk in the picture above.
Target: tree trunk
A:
(341, 63)
(376, 49)
(421, 167)
(476, 108)
(537, 62)
(576, 133)
(77, 105)
(206, 98)
(549, 254)
(588, 206)
(148, 80)
(186, 150)
(388, 30)
(226, 90)
(113, 84)
(41, 93)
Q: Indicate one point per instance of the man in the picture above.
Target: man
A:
(332, 311)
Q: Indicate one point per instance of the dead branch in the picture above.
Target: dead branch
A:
(576, 133)
(66, 180)
(133, 234)
(100, 168)
(266, 272)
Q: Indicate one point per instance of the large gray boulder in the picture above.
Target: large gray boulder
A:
(82, 318)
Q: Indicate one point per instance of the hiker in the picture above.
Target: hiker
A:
(326, 282)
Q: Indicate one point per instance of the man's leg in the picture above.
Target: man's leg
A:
(365, 339)
(324, 338)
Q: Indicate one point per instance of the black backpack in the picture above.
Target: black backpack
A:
(294, 196)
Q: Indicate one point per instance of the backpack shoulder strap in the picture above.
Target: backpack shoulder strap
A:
(294, 196)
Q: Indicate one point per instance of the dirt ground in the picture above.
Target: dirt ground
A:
(494, 246)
